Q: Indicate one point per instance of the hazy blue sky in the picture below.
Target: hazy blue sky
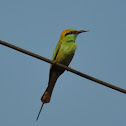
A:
(36, 25)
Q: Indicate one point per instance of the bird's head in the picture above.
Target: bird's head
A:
(70, 34)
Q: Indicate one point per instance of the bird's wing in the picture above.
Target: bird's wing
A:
(56, 50)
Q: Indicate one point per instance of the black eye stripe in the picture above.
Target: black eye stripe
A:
(66, 34)
(71, 32)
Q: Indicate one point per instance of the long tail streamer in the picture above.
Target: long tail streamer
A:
(39, 111)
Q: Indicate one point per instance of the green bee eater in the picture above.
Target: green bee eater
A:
(63, 54)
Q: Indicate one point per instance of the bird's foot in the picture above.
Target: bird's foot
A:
(54, 62)
(69, 68)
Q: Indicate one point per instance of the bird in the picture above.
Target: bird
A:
(63, 53)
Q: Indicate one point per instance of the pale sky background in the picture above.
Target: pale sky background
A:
(36, 25)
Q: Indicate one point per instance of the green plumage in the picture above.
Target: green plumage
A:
(63, 54)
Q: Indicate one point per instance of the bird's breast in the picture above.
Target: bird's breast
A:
(66, 53)
(69, 49)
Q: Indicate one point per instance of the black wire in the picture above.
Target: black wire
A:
(63, 66)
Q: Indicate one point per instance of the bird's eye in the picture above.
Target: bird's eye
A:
(71, 32)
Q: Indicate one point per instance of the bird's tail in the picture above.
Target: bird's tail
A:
(46, 96)
(48, 92)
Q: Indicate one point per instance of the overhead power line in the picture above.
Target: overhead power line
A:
(63, 66)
